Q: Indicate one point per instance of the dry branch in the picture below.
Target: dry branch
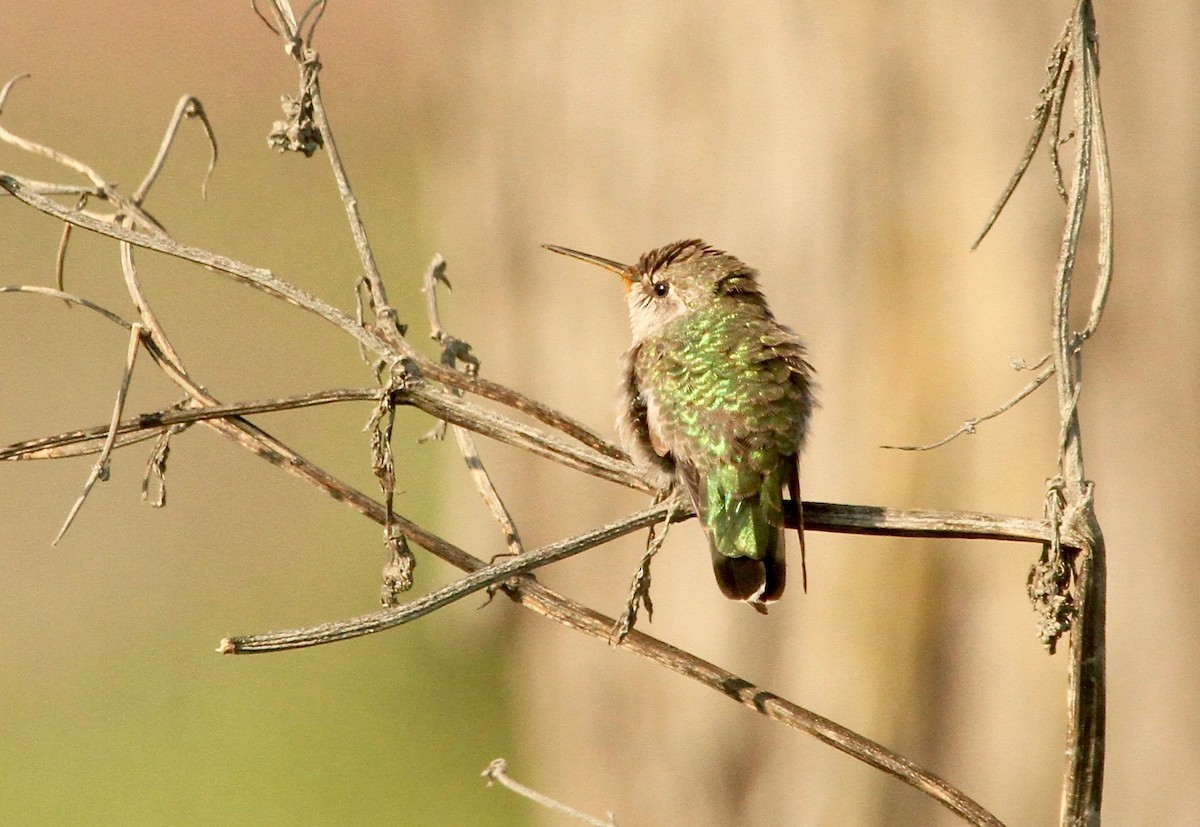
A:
(1069, 531)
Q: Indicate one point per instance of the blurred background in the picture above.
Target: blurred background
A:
(849, 151)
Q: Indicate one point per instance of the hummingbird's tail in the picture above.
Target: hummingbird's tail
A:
(758, 582)
(742, 514)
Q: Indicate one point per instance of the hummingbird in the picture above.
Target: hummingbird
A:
(716, 396)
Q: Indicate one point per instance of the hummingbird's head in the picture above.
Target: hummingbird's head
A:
(674, 281)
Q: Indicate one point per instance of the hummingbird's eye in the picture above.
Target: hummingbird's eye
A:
(661, 288)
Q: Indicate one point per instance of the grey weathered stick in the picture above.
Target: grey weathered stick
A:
(256, 277)
(518, 401)
(148, 425)
(819, 516)
(489, 575)
(591, 622)
(1084, 770)
(60, 258)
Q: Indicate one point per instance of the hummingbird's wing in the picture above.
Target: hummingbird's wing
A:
(794, 491)
(633, 427)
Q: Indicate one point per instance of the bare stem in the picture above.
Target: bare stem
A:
(969, 426)
(483, 578)
(454, 350)
(188, 107)
(498, 771)
(1041, 114)
(1084, 771)
(100, 468)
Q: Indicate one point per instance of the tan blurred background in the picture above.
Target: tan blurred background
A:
(850, 151)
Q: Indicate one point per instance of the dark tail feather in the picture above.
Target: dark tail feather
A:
(757, 582)
(794, 490)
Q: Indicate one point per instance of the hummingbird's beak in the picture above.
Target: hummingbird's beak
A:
(607, 263)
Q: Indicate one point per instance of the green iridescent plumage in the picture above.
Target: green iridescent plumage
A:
(717, 396)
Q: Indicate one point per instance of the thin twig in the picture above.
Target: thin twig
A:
(53, 188)
(1104, 195)
(188, 107)
(483, 578)
(149, 425)
(102, 188)
(60, 258)
(319, 7)
(518, 401)
(498, 771)
(819, 516)
(69, 298)
(100, 468)
(453, 350)
(310, 91)
(969, 426)
(256, 277)
(263, 17)
(1041, 114)
(149, 318)
(1056, 109)
(34, 148)
(444, 405)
